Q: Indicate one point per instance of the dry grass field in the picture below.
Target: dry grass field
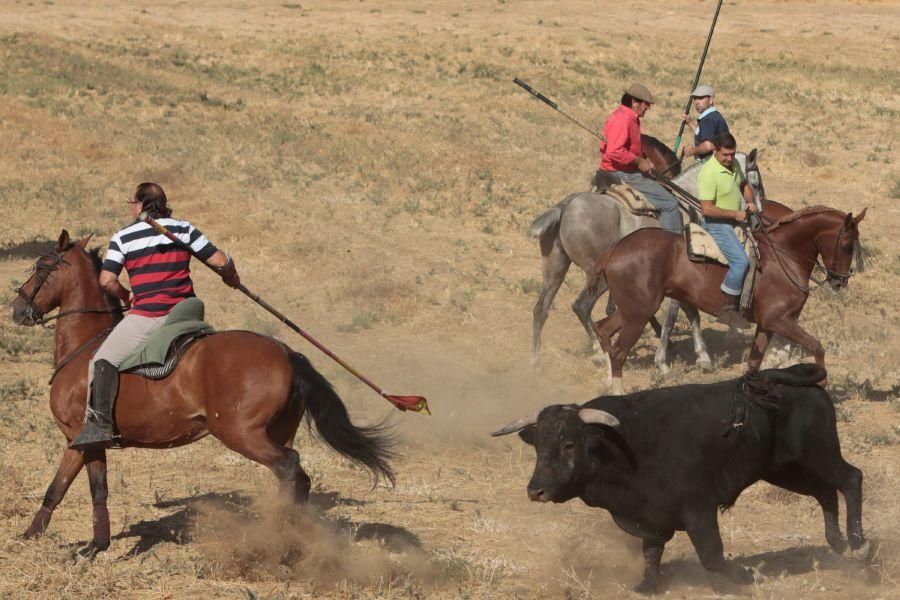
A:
(373, 170)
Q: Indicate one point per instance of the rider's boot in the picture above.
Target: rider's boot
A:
(730, 313)
(97, 431)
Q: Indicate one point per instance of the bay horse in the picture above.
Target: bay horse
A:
(584, 225)
(651, 264)
(247, 390)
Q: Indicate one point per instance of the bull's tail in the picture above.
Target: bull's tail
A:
(547, 223)
(796, 375)
(369, 446)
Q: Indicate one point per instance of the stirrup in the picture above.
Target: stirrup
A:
(93, 436)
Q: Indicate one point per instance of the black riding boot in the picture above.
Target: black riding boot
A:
(730, 313)
(98, 421)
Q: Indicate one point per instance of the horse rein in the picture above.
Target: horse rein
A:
(36, 317)
(831, 273)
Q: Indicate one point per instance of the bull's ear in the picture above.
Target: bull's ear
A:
(608, 446)
(527, 434)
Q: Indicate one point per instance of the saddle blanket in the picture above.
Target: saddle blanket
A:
(156, 358)
(700, 245)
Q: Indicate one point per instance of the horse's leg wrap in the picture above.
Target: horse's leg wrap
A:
(96, 468)
(39, 524)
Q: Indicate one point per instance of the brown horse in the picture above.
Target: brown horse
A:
(248, 390)
(651, 264)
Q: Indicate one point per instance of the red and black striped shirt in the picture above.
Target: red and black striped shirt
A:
(159, 270)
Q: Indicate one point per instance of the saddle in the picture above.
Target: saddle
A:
(631, 200)
(702, 248)
(157, 357)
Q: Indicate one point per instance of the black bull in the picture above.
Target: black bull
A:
(666, 460)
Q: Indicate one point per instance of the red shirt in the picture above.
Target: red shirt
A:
(622, 131)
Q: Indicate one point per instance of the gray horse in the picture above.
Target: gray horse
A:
(583, 226)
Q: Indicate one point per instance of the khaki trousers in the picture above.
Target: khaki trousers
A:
(121, 341)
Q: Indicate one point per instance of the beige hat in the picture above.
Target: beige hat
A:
(640, 92)
(703, 91)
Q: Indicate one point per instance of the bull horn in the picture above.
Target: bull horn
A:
(593, 416)
(517, 425)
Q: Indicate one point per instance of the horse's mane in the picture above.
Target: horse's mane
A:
(671, 157)
(97, 263)
(802, 212)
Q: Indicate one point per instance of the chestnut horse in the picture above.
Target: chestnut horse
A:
(248, 390)
(651, 264)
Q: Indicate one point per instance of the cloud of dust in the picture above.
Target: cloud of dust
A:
(274, 539)
(470, 394)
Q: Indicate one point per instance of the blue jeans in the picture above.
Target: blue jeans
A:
(659, 197)
(723, 232)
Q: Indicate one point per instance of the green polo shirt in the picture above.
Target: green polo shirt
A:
(720, 185)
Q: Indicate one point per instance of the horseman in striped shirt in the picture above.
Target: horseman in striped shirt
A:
(160, 277)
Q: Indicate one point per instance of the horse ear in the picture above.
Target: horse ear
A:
(860, 216)
(84, 241)
(63, 242)
(751, 158)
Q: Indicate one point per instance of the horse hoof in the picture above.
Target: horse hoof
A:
(663, 368)
(706, 365)
(91, 551)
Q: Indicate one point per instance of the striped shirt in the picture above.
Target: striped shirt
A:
(159, 270)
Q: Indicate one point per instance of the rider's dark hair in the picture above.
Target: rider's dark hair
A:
(725, 140)
(153, 200)
(628, 100)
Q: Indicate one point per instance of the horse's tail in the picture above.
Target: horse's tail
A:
(796, 375)
(369, 446)
(547, 223)
(599, 270)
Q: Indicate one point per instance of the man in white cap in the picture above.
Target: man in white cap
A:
(709, 125)
(623, 155)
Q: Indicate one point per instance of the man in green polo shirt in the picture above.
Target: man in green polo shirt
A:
(721, 186)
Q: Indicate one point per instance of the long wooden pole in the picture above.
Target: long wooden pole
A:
(414, 403)
(687, 107)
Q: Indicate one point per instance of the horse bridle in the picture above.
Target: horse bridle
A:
(42, 273)
(35, 316)
(831, 274)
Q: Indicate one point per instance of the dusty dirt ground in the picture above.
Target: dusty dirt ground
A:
(373, 170)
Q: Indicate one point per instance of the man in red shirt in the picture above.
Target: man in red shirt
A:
(160, 278)
(624, 157)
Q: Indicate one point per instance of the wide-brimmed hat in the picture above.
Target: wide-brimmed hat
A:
(702, 91)
(640, 92)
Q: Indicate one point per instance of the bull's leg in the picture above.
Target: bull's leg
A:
(703, 528)
(808, 484)
(96, 468)
(852, 491)
(653, 551)
(583, 306)
(554, 265)
(69, 466)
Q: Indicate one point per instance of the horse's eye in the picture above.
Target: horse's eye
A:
(569, 446)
